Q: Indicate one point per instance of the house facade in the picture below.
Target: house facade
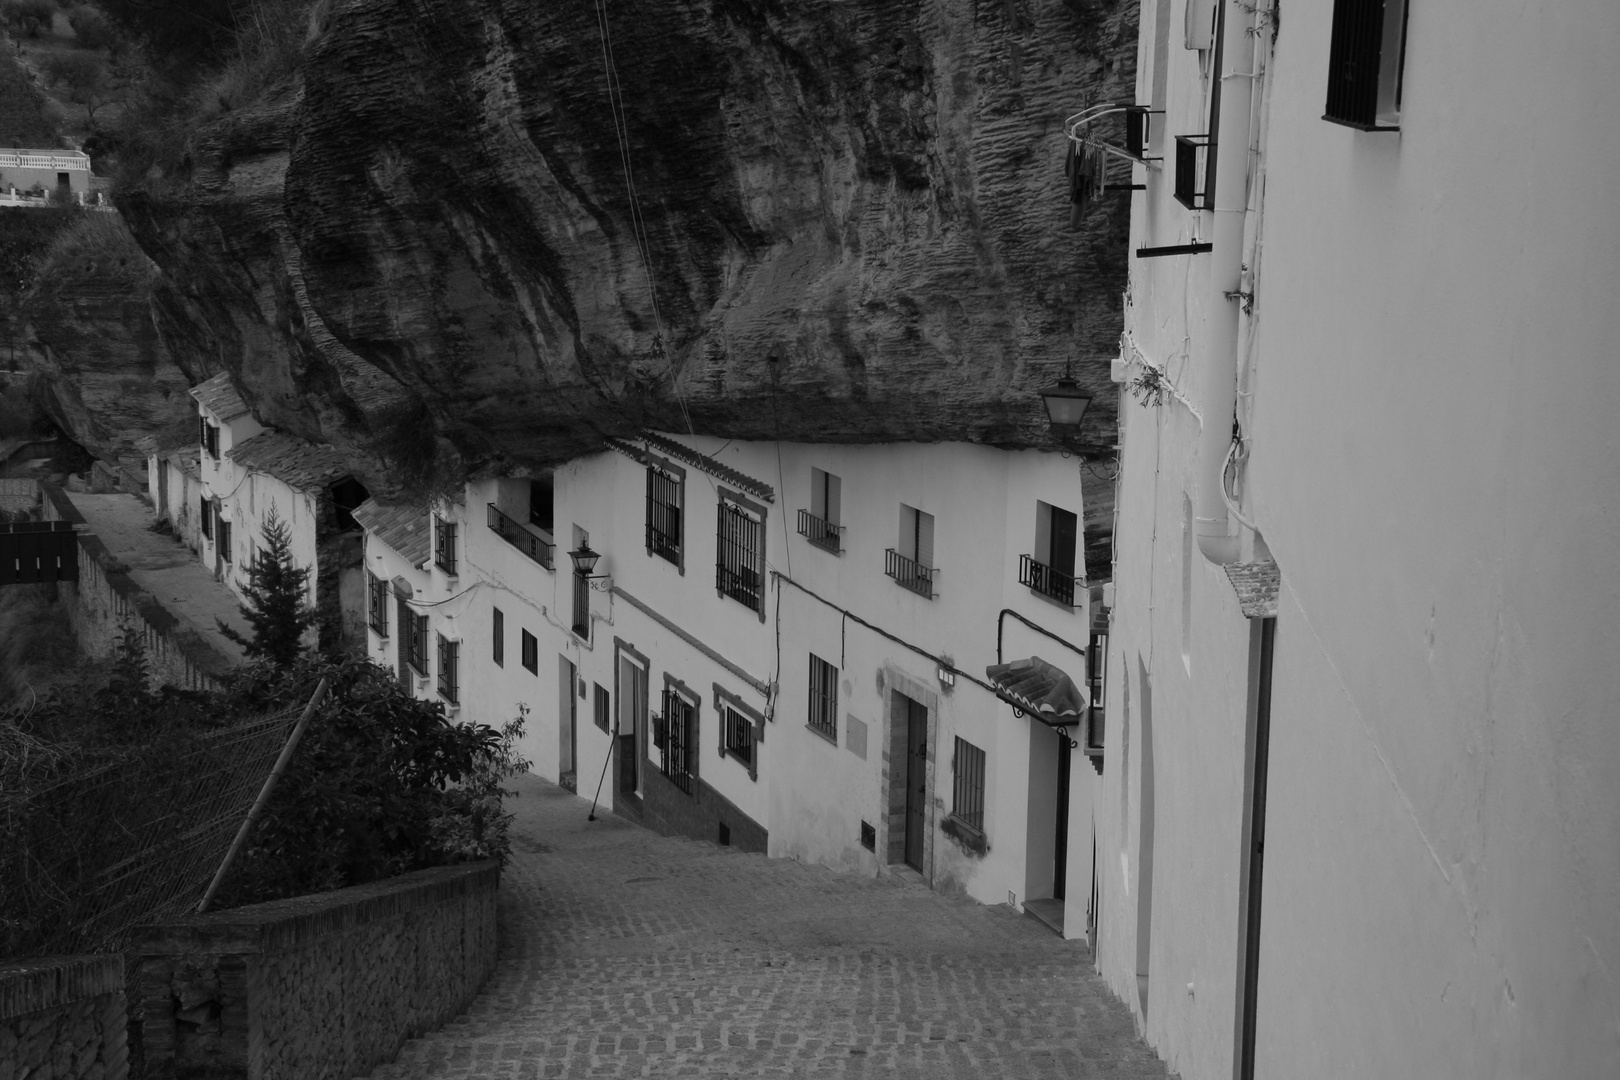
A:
(39, 173)
(1360, 815)
(778, 647)
(220, 493)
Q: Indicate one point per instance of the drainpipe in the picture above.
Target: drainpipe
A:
(1215, 350)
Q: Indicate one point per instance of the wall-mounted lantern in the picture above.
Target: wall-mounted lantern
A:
(1065, 403)
(585, 561)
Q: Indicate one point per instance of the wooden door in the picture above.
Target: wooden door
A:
(567, 722)
(1060, 839)
(916, 782)
(632, 718)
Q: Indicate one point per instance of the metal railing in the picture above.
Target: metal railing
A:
(821, 533)
(515, 533)
(1046, 580)
(909, 573)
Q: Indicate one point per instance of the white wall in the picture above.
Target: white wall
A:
(1432, 385)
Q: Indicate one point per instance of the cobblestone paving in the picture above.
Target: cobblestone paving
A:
(624, 953)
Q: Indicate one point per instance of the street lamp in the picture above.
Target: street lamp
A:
(1065, 403)
(584, 560)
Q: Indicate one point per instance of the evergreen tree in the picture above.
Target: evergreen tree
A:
(277, 609)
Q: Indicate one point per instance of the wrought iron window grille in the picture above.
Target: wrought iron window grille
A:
(910, 574)
(821, 533)
(1046, 580)
(1195, 183)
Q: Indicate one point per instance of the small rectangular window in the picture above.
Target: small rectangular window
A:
(820, 524)
(205, 518)
(967, 804)
(603, 709)
(541, 497)
(665, 509)
(531, 652)
(377, 604)
(1366, 60)
(677, 738)
(224, 530)
(498, 631)
(444, 544)
(739, 736)
(824, 697)
(417, 657)
(449, 676)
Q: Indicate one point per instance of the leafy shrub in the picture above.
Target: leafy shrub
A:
(22, 108)
(92, 30)
(30, 18)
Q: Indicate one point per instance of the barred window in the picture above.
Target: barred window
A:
(449, 677)
(823, 697)
(444, 544)
(498, 629)
(665, 503)
(739, 735)
(417, 657)
(740, 555)
(210, 439)
(531, 652)
(377, 604)
(967, 804)
(206, 519)
(223, 529)
(676, 735)
(603, 708)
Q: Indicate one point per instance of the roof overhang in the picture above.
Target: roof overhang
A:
(1040, 689)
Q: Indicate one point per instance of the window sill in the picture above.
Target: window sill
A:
(970, 837)
(744, 762)
(831, 737)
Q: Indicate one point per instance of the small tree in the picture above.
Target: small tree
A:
(278, 609)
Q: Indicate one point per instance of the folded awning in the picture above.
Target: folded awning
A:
(1039, 689)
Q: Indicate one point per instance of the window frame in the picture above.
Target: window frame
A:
(444, 544)
(682, 771)
(416, 652)
(205, 518)
(449, 675)
(1379, 110)
(672, 551)
(377, 597)
(497, 629)
(727, 706)
(821, 712)
(210, 438)
(969, 774)
(734, 504)
(529, 656)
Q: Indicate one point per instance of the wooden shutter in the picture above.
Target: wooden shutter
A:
(832, 498)
(818, 494)
(1065, 534)
(925, 539)
(908, 532)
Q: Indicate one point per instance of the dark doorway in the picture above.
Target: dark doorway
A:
(916, 781)
(1060, 840)
(403, 623)
(163, 487)
(1065, 537)
(632, 716)
(1263, 636)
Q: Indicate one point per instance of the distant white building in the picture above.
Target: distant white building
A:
(1361, 812)
(30, 177)
(782, 648)
(247, 472)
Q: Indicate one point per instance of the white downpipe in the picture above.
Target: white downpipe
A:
(1215, 350)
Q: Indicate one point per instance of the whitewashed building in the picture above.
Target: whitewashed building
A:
(778, 647)
(1361, 815)
(219, 494)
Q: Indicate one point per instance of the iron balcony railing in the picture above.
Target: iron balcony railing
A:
(1046, 580)
(516, 534)
(910, 574)
(821, 533)
(1195, 188)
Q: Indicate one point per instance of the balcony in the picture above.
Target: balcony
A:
(1049, 582)
(518, 535)
(821, 533)
(1193, 187)
(910, 574)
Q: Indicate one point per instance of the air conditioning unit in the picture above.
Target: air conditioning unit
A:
(1200, 30)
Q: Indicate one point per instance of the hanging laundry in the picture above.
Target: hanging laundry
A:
(1085, 167)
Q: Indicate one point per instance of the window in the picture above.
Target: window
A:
(740, 552)
(967, 804)
(377, 604)
(531, 652)
(541, 497)
(911, 563)
(823, 698)
(210, 439)
(205, 518)
(1050, 570)
(676, 736)
(741, 730)
(417, 656)
(449, 682)
(444, 544)
(1097, 682)
(739, 736)
(1366, 56)
(498, 629)
(582, 606)
(665, 503)
(604, 709)
(819, 524)
(222, 529)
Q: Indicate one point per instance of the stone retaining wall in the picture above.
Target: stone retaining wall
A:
(328, 985)
(106, 599)
(63, 1018)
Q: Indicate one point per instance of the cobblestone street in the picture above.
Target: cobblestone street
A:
(628, 954)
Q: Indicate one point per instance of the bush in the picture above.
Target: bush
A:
(30, 18)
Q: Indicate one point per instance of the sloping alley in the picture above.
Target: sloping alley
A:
(624, 953)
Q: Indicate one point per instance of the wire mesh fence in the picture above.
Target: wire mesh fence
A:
(96, 842)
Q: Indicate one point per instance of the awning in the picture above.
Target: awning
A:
(1039, 689)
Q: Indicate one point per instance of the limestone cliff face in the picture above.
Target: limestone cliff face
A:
(850, 225)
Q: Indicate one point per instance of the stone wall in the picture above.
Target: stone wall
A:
(667, 809)
(105, 600)
(315, 986)
(63, 1018)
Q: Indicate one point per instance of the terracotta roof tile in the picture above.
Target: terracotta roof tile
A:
(403, 528)
(220, 397)
(697, 460)
(304, 466)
